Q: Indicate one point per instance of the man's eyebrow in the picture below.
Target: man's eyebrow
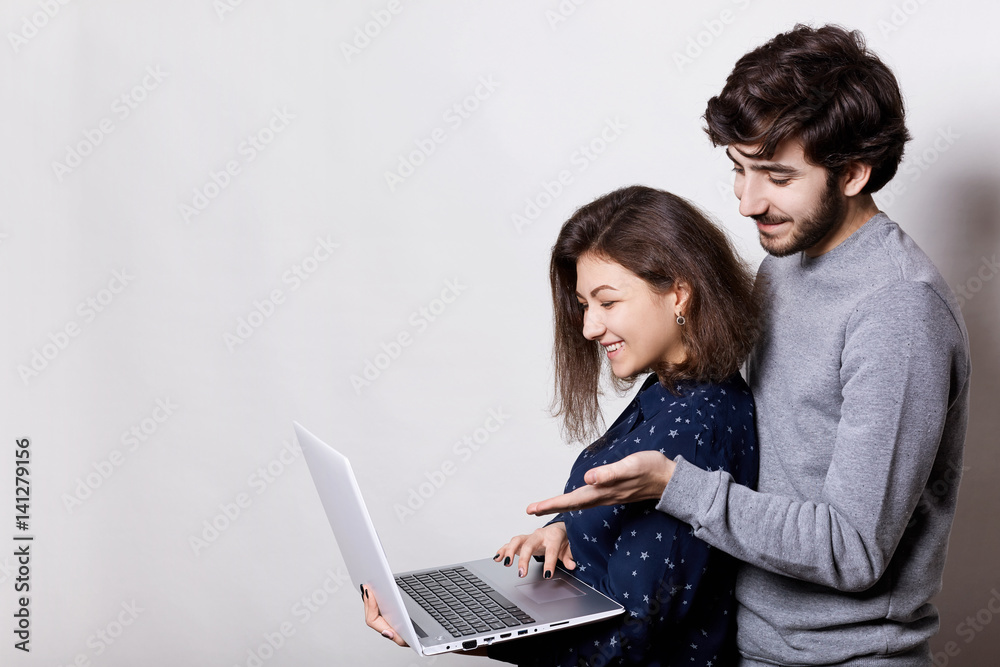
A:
(773, 167)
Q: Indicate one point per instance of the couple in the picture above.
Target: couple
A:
(857, 357)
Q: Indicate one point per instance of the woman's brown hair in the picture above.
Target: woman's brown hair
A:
(662, 239)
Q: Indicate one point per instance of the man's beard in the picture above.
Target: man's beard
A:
(811, 229)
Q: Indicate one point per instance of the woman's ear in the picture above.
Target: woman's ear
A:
(681, 292)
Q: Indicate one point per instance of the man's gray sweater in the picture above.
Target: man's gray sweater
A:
(861, 381)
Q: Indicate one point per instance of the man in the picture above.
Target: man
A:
(861, 375)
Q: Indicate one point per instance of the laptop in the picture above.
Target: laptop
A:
(453, 608)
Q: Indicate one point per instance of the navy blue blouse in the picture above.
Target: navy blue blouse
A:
(677, 590)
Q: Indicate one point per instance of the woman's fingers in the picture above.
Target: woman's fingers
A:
(528, 549)
(566, 556)
(508, 552)
(549, 541)
(556, 546)
(374, 620)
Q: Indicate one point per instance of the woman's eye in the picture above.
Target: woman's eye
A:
(583, 306)
(607, 304)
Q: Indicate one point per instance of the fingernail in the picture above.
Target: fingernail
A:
(506, 561)
(548, 574)
(367, 596)
(387, 634)
(362, 587)
(520, 571)
(497, 556)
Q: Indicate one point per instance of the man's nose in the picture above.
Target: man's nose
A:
(750, 193)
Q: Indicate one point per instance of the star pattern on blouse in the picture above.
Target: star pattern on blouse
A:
(700, 411)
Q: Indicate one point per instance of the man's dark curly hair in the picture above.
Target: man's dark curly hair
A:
(823, 87)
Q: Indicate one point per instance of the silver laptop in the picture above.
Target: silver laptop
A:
(453, 608)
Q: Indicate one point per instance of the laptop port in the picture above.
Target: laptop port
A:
(504, 636)
(469, 645)
(521, 632)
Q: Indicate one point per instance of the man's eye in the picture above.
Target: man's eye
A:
(779, 181)
(737, 170)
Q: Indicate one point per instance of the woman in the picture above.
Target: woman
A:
(653, 287)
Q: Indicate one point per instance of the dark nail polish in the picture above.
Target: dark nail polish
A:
(367, 596)
(362, 591)
(506, 561)
(548, 574)
(497, 556)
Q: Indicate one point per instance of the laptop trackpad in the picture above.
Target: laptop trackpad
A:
(542, 592)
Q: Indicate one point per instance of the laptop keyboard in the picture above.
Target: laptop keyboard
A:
(462, 602)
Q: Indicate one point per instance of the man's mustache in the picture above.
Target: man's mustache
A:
(769, 219)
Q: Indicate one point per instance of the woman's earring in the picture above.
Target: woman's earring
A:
(681, 320)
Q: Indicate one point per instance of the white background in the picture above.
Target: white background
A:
(557, 78)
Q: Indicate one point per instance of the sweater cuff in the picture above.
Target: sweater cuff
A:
(689, 493)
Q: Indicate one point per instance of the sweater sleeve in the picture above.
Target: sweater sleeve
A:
(902, 367)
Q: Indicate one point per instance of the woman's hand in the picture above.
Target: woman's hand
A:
(375, 621)
(550, 541)
(373, 617)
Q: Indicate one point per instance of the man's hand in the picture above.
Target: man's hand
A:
(550, 541)
(639, 476)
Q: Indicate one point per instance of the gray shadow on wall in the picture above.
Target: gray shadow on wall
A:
(972, 575)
